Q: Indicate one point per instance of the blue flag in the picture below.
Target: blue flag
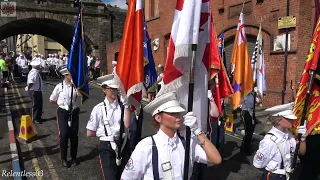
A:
(222, 51)
(77, 63)
(150, 73)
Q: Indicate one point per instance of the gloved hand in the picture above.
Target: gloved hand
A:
(302, 130)
(210, 95)
(190, 120)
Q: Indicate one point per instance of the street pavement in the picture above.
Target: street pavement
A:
(43, 153)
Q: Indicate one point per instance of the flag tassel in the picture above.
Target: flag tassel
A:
(304, 114)
(190, 106)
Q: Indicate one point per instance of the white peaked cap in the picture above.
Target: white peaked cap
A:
(35, 62)
(108, 81)
(64, 70)
(165, 103)
(284, 110)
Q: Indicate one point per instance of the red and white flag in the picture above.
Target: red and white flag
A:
(191, 26)
(129, 71)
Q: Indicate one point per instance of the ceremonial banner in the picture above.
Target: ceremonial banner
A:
(130, 69)
(241, 66)
(218, 75)
(258, 67)
(150, 73)
(191, 26)
(77, 64)
(313, 111)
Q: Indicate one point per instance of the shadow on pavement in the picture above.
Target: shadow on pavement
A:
(49, 119)
(93, 154)
(222, 171)
(39, 152)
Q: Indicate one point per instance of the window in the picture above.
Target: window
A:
(151, 9)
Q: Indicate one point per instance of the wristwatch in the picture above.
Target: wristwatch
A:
(202, 143)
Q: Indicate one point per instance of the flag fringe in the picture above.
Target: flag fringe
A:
(182, 51)
(173, 85)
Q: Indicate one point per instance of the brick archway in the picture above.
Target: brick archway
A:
(59, 31)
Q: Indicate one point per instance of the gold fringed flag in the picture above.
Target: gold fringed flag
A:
(313, 111)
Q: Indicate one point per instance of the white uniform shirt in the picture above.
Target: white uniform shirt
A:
(62, 95)
(268, 155)
(96, 122)
(139, 165)
(22, 62)
(34, 77)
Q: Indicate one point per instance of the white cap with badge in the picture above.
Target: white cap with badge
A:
(284, 110)
(36, 62)
(64, 71)
(108, 81)
(165, 103)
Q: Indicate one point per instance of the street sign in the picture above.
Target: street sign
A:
(8, 9)
(287, 22)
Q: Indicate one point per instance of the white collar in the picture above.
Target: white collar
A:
(112, 105)
(279, 134)
(166, 140)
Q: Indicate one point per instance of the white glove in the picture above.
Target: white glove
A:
(210, 95)
(302, 130)
(26, 88)
(190, 120)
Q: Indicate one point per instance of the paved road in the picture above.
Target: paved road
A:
(43, 153)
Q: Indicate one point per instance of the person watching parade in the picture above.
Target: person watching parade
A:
(150, 160)
(65, 96)
(274, 150)
(4, 67)
(35, 88)
(110, 121)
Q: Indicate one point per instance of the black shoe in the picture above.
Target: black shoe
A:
(65, 163)
(74, 162)
(246, 151)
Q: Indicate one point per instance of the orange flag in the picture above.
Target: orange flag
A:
(313, 111)
(241, 66)
(130, 70)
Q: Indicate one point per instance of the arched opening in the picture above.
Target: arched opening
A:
(228, 45)
(53, 29)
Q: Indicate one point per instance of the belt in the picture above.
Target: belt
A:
(111, 138)
(279, 171)
(66, 107)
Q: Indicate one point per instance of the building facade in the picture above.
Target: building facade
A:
(31, 44)
(226, 16)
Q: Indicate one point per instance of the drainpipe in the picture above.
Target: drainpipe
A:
(285, 58)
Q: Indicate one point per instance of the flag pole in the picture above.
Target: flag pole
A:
(304, 114)
(256, 77)
(190, 105)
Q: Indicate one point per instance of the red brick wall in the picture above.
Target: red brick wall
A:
(269, 11)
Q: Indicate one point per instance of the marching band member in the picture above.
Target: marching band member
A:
(110, 121)
(161, 156)
(274, 150)
(35, 88)
(65, 95)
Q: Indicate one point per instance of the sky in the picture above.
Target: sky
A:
(120, 3)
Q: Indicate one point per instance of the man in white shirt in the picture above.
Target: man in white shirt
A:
(274, 153)
(35, 87)
(65, 95)
(110, 121)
